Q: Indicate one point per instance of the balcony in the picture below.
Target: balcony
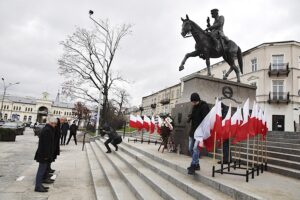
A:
(165, 101)
(279, 69)
(279, 97)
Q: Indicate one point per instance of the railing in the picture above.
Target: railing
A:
(279, 97)
(279, 69)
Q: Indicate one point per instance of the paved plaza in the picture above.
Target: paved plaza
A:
(18, 170)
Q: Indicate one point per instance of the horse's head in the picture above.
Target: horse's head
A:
(186, 26)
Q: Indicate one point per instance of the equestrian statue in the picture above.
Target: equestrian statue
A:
(212, 43)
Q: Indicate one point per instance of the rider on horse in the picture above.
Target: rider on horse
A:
(216, 29)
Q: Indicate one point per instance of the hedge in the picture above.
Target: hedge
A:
(7, 134)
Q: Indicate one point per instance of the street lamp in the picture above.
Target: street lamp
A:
(100, 95)
(4, 93)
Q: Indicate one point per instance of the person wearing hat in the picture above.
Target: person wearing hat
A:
(199, 111)
(216, 30)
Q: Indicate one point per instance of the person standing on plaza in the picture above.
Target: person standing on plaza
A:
(73, 132)
(199, 111)
(64, 131)
(44, 153)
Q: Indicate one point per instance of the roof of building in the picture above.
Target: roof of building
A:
(162, 90)
(33, 101)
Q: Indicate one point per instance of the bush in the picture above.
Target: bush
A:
(7, 134)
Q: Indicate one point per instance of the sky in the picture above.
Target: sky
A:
(149, 57)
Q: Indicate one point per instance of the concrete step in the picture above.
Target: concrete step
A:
(278, 169)
(271, 154)
(139, 187)
(166, 188)
(101, 186)
(282, 139)
(274, 149)
(281, 144)
(120, 189)
(153, 160)
(185, 182)
(275, 161)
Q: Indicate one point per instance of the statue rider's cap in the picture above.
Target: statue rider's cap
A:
(215, 10)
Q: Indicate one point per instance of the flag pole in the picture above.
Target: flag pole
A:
(247, 150)
(253, 152)
(214, 157)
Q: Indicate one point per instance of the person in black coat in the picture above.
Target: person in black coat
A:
(64, 131)
(113, 137)
(44, 153)
(199, 111)
(73, 132)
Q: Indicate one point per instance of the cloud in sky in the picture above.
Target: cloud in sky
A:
(31, 31)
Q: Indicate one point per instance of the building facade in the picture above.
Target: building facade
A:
(28, 109)
(161, 102)
(274, 68)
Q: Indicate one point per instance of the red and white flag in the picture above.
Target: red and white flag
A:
(159, 124)
(139, 122)
(253, 120)
(236, 121)
(244, 128)
(132, 121)
(226, 124)
(146, 123)
(152, 125)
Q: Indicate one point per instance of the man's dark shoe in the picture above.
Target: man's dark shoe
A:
(40, 189)
(197, 168)
(51, 171)
(191, 169)
(48, 181)
(108, 152)
(45, 187)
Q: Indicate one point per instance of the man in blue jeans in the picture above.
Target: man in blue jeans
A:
(199, 111)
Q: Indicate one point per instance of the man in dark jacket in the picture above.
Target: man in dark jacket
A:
(73, 132)
(44, 153)
(200, 110)
(113, 137)
(64, 131)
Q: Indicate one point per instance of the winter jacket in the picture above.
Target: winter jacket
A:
(45, 151)
(198, 114)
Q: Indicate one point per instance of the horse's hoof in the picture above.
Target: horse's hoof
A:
(181, 68)
(224, 78)
(208, 74)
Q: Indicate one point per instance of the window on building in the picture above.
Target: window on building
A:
(172, 94)
(277, 62)
(19, 107)
(253, 83)
(178, 93)
(5, 116)
(224, 72)
(29, 118)
(25, 109)
(25, 118)
(278, 89)
(299, 61)
(254, 64)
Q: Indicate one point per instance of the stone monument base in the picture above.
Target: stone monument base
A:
(209, 89)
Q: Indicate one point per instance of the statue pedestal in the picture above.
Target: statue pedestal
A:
(209, 89)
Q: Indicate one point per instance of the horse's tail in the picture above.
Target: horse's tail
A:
(240, 59)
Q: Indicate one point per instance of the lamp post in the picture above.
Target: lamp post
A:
(100, 95)
(4, 93)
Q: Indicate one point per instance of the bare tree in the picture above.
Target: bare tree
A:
(86, 67)
(122, 100)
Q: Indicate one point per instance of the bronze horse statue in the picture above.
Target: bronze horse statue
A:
(205, 49)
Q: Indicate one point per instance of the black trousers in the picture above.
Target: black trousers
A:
(70, 136)
(114, 142)
(63, 138)
(40, 174)
(226, 152)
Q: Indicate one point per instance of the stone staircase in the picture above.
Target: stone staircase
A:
(283, 153)
(129, 174)
(139, 171)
